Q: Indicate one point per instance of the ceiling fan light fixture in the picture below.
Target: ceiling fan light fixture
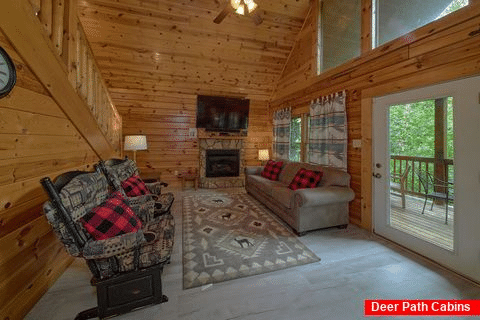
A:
(251, 5)
(243, 6)
(235, 3)
(240, 10)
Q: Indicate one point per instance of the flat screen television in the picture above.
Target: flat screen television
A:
(222, 113)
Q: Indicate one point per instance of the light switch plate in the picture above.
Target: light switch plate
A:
(357, 143)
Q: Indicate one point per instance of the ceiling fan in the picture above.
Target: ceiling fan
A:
(241, 7)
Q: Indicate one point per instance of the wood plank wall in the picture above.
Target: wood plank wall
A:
(443, 50)
(36, 140)
(166, 120)
(156, 56)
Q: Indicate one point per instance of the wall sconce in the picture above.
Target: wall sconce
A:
(134, 143)
(263, 155)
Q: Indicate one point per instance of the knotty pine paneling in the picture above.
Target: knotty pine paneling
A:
(157, 56)
(36, 140)
(444, 50)
(166, 121)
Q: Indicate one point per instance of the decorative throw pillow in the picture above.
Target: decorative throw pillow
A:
(305, 179)
(272, 170)
(112, 218)
(134, 187)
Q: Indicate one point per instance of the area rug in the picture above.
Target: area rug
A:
(230, 236)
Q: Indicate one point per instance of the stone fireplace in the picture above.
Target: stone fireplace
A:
(222, 161)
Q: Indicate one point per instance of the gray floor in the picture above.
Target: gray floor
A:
(355, 266)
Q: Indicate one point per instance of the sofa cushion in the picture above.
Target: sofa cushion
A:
(331, 176)
(272, 170)
(261, 183)
(134, 187)
(334, 177)
(305, 179)
(290, 169)
(283, 195)
(110, 219)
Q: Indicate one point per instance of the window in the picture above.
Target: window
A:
(339, 38)
(295, 139)
(395, 18)
(421, 134)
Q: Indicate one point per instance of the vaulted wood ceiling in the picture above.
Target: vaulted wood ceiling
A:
(173, 46)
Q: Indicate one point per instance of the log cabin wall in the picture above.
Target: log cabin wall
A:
(47, 127)
(157, 56)
(36, 140)
(443, 50)
(166, 120)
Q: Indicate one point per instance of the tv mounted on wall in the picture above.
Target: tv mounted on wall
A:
(222, 113)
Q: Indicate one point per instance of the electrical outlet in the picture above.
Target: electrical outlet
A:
(357, 143)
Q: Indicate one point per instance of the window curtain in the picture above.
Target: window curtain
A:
(281, 133)
(328, 131)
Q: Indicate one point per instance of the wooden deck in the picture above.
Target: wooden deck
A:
(429, 226)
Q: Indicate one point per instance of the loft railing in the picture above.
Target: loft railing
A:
(398, 164)
(60, 21)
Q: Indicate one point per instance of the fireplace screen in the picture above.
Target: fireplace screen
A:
(222, 163)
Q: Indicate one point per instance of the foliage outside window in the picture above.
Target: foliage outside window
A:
(295, 139)
(395, 18)
(412, 129)
(339, 38)
(412, 132)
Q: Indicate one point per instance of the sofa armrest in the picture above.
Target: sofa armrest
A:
(99, 249)
(323, 196)
(253, 170)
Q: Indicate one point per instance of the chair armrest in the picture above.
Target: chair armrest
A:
(322, 196)
(163, 203)
(253, 170)
(99, 249)
(155, 187)
(143, 206)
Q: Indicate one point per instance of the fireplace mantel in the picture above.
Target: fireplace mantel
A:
(203, 134)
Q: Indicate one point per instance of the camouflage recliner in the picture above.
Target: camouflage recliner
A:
(116, 260)
(120, 170)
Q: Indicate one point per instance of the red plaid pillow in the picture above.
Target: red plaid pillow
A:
(112, 218)
(272, 170)
(134, 187)
(305, 179)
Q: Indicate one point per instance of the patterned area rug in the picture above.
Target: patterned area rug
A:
(227, 237)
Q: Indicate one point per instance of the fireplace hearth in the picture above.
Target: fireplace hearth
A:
(222, 163)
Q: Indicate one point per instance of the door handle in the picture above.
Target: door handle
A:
(377, 175)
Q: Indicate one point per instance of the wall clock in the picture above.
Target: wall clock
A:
(8, 75)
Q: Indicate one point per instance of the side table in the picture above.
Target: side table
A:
(189, 176)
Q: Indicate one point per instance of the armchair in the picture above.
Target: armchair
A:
(126, 267)
(118, 173)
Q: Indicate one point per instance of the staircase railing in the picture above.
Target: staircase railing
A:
(61, 24)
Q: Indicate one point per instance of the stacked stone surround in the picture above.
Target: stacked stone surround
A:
(221, 143)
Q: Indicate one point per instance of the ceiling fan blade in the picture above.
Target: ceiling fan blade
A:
(228, 8)
(257, 19)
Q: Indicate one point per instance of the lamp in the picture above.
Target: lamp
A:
(243, 6)
(263, 155)
(134, 143)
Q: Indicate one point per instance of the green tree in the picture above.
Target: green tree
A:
(295, 139)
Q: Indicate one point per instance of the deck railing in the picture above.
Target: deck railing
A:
(59, 19)
(398, 164)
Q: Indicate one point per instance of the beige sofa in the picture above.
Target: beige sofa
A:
(304, 209)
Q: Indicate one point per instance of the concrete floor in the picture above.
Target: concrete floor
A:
(355, 266)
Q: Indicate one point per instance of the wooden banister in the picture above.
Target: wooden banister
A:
(49, 37)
